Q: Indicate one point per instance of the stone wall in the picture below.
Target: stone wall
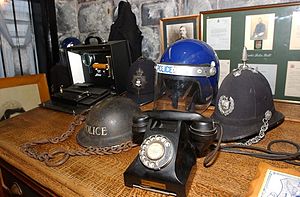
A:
(81, 18)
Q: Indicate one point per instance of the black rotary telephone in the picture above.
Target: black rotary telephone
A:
(170, 142)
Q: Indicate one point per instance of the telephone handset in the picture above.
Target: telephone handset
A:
(170, 143)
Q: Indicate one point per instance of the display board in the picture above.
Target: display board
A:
(271, 34)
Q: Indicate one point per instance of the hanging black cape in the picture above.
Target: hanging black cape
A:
(125, 28)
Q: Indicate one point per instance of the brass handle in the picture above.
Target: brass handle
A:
(100, 66)
(16, 190)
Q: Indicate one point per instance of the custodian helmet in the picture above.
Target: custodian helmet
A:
(244, 105)
(109, 123)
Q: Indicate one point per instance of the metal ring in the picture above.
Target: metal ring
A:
(49, 161)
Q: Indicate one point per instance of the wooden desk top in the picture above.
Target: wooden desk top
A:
(103, 175)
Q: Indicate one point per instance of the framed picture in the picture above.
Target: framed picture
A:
(22, 93)
(259, 31)
(177, 28)
(271, 34)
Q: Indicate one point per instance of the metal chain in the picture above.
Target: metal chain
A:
(60, 156)
(263, 129)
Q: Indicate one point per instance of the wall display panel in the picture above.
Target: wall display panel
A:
(270, 33)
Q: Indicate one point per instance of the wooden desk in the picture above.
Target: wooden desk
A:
(103, 175)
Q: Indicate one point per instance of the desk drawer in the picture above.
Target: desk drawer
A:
(16, 183)
(15, 187)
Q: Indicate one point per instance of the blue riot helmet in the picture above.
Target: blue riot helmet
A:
(64, 44)
(187, 76)
(69, 41)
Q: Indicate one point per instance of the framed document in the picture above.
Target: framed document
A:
(219, 33)
(295, 32)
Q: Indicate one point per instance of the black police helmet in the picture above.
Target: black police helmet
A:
(244, 105)
(109, 123)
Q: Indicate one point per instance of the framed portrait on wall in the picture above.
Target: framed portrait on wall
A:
(177, 28)
(259, 31)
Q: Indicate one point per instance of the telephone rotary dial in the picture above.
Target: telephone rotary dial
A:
(156, 152)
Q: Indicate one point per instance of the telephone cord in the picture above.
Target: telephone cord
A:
(212, 156)
(266, 153)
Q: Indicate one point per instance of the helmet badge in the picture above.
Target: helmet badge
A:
(226, 105)
(139, 80)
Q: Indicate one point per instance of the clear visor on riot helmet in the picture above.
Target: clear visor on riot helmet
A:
(182, 87)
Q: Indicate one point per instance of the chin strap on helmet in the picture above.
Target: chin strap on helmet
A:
(262, 130)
